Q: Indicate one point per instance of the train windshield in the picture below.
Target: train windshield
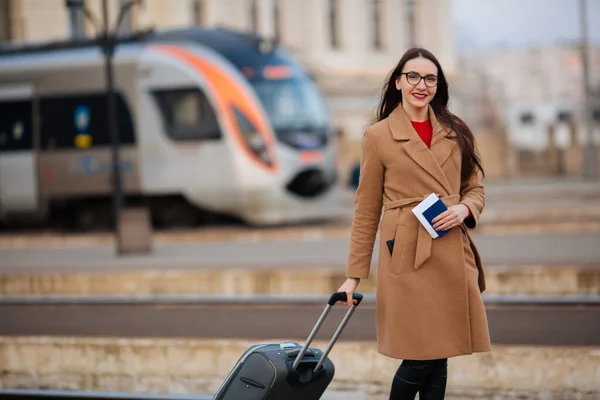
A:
(296, 110)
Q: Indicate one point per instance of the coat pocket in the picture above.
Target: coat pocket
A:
(398, 249)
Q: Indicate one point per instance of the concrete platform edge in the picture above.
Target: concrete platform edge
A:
(191, 366)
(501, 280)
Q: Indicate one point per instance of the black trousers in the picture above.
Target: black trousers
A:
(428, 378)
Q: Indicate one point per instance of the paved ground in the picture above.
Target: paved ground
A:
(515, 207)
(534, 193)
(336, 391)
(558, 249)
(542, 187)
(529, 195)
(514, 324)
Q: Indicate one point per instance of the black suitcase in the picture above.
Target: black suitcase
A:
(285, 371)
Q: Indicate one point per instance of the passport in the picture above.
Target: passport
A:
(427, 210)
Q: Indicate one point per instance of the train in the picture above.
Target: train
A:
(210, 122)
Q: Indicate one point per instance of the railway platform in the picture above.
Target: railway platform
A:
(173, 322)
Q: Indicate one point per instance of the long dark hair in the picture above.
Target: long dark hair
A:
(392, 97)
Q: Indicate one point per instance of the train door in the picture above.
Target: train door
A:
(18, 161)
(183, 147)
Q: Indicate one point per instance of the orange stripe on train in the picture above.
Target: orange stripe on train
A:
(228, 93)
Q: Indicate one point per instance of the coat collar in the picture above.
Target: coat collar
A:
(431, 160)
(402, 129)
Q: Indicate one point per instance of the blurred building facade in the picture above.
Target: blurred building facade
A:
(349, 45)
(534, 95)
(527, 88)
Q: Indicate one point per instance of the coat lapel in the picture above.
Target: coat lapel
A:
(430, 160)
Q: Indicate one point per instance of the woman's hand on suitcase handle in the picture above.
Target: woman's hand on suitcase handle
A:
(349, 287)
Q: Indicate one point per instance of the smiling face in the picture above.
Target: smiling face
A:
(418, 92)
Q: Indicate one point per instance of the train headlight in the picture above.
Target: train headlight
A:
(252, 138)
(256, 143)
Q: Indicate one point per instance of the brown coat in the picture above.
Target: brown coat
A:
(429, 304)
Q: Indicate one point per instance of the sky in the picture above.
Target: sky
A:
(485, 23)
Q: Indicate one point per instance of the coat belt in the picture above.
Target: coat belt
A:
(424, 239)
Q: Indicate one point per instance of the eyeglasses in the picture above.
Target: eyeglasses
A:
(413, 78)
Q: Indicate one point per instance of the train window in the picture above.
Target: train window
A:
(563, 116)
(65, 119)
(187, 115)
(15, 125)
(527, 118)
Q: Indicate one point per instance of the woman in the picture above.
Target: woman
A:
(429, 304)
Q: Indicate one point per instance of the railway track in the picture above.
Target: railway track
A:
(513, 320)
(35, 394)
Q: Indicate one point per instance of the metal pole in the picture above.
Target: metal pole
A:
(412, 34)
(198, 12)
(76, 19)
(113, 126)
(590, 154)
(125, 23)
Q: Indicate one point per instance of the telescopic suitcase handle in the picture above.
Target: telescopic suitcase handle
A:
(335, 297)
